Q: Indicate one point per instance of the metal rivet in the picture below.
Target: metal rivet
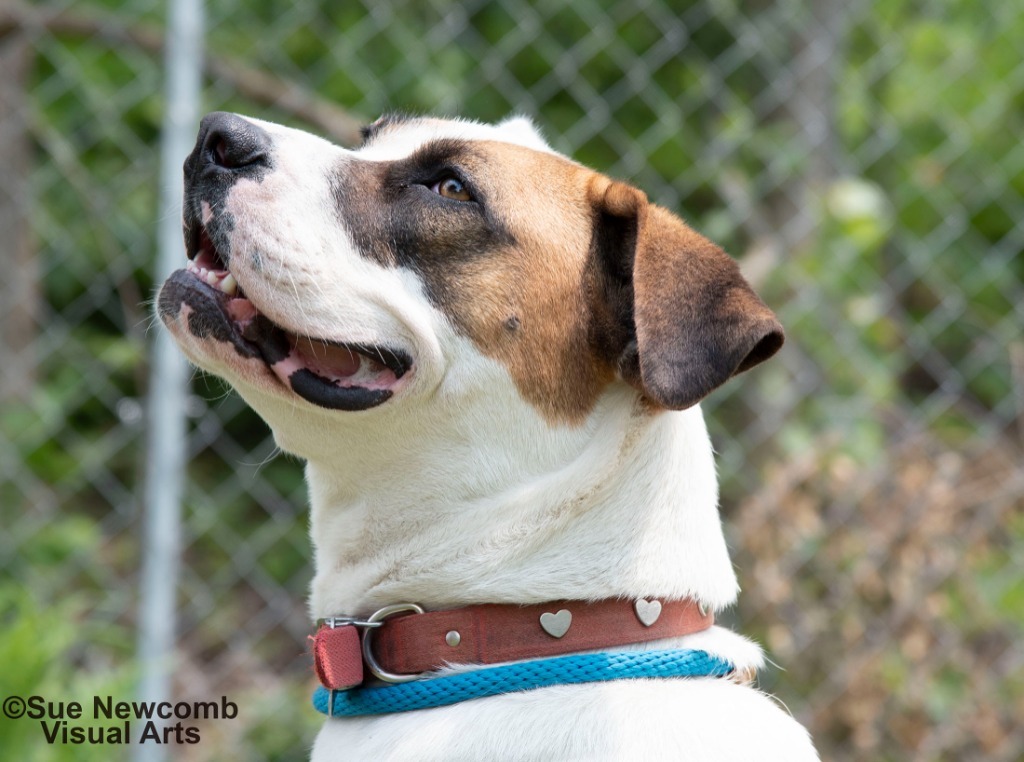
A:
(453, 638)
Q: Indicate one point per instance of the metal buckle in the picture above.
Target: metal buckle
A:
(376, 619)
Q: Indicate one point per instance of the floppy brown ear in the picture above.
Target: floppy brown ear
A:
(687, 319)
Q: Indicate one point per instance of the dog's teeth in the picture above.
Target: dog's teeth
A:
(228, 285)
(211, 277)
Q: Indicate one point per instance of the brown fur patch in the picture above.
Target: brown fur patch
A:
(568, 278)
(511, 269)
(527, 305)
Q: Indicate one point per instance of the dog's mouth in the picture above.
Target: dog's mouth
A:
(331, 374)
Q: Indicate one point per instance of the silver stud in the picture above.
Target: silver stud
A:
(556, 625)
(647, 611)
(453, 638)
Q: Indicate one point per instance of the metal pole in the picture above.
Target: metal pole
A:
(168, 383)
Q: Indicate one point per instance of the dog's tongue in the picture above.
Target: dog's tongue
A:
(328, 360)
(314, 370)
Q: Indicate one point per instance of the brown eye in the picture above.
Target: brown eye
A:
(452, 188)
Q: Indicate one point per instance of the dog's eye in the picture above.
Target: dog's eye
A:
(453, 188)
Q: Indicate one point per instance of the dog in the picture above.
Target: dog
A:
(491, 359)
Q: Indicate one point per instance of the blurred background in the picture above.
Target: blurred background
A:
(864, 162)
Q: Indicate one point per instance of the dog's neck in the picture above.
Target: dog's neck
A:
(519, 511)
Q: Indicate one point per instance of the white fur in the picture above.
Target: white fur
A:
(457, 491)
(405, 137)
(658, 720)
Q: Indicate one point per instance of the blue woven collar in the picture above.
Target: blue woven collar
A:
(520, 676)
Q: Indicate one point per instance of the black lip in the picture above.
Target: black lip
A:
(209, 318)
(193, 237)
(320, 391)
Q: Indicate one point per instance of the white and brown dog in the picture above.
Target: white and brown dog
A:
(490, 358)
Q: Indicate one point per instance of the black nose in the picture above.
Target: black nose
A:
(228, 142)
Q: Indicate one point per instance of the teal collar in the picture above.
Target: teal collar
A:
(519, 676)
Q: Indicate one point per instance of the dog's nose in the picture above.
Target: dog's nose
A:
(228, 142)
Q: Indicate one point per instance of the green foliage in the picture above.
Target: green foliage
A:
(40, 647)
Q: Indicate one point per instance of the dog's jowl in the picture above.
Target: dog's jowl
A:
(490, 358)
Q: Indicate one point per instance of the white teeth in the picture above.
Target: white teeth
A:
(219, 279)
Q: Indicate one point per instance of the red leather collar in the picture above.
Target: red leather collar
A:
(399, 644)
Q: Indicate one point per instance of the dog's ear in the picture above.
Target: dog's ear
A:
(672, 310)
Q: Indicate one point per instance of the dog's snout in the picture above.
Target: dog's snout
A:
(229, 142)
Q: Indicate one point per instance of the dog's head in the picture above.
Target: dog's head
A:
(443, 263)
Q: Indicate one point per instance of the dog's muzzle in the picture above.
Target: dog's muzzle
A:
(325, 371)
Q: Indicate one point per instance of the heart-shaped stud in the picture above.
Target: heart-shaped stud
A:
(556, 625)
(647, 611)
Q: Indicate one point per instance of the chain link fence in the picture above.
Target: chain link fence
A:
(861, 159)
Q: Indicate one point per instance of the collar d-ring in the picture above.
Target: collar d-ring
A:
(372, 622)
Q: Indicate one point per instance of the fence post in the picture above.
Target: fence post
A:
(168, 386)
